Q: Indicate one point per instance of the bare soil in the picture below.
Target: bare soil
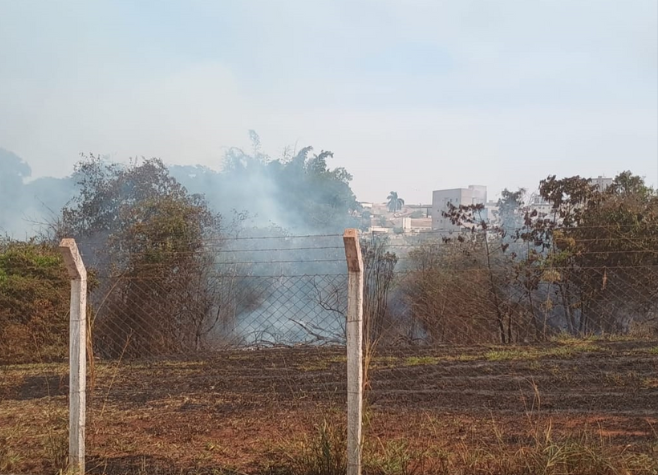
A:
(246, 411)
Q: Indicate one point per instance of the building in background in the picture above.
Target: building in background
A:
(601, 181)
(474, 194)
(539, 204)
(544, 207)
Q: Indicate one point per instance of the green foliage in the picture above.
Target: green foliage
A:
(298, 191)
(615, 229)
(34, 302)
(325, 453)
(394, 203)
(144, 228)
(587, 268)
(321, 197)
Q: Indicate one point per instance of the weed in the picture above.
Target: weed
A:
(649, 383)
(564, 349)
(421, 360)
(324, 454)
(384, 362)
(56, 448)
(9, 459)
(393, 458)
(321, 364)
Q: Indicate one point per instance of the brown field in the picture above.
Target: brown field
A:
(257, 411)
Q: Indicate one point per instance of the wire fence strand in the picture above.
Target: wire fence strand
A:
(207, 357)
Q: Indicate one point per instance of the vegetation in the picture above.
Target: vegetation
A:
(32, 202)
(395, 203)
(581, 453)
(145, 231)
(614, 231)
(34, 302)
(181, 415)
(589, 267)
(298, 191)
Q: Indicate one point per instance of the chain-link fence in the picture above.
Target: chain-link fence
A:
(232, 357)
(220, 353)
(474, 353)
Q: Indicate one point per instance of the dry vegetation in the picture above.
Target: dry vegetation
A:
(564, 407)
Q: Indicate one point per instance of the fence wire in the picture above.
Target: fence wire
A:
(232, 355)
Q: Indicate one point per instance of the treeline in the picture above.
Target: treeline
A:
(297, 191)
(166, 275)
(152, 249)
(589, 267)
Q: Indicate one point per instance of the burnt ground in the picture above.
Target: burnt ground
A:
(247, 410)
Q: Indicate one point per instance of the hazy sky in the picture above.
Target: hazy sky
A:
(410, 95)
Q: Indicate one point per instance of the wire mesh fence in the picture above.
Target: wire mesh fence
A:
(249, 293)
(229, 355)
(245, 336)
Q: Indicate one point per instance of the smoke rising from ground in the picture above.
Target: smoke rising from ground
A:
(298, 192)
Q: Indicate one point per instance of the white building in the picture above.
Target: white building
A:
(474, 194)
(601, 182)
(545, 208)
(539, 204)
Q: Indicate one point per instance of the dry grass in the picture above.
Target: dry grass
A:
(281, 412)
(539, 451)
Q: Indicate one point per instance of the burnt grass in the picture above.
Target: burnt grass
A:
(245, 410)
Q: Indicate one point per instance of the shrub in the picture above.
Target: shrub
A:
(34, 302)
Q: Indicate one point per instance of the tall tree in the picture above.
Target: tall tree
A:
(146, 233)
(298, 191)
(603, 245)
(395, 203)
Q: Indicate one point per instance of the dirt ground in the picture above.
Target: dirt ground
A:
(245, 411)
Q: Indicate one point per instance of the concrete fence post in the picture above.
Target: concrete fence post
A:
(77, 354)
(354, 336)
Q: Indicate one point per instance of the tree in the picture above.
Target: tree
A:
(473, 217)
(511, 210)
(298, 191)
(601, 250)
(147, 234)
(33, 204)
(447, 290)
(394, 203)
(483, 277)
(311, 195)
(366, 221)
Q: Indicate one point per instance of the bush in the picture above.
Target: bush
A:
(34, 302)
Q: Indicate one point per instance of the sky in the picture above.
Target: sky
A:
(411, 96)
